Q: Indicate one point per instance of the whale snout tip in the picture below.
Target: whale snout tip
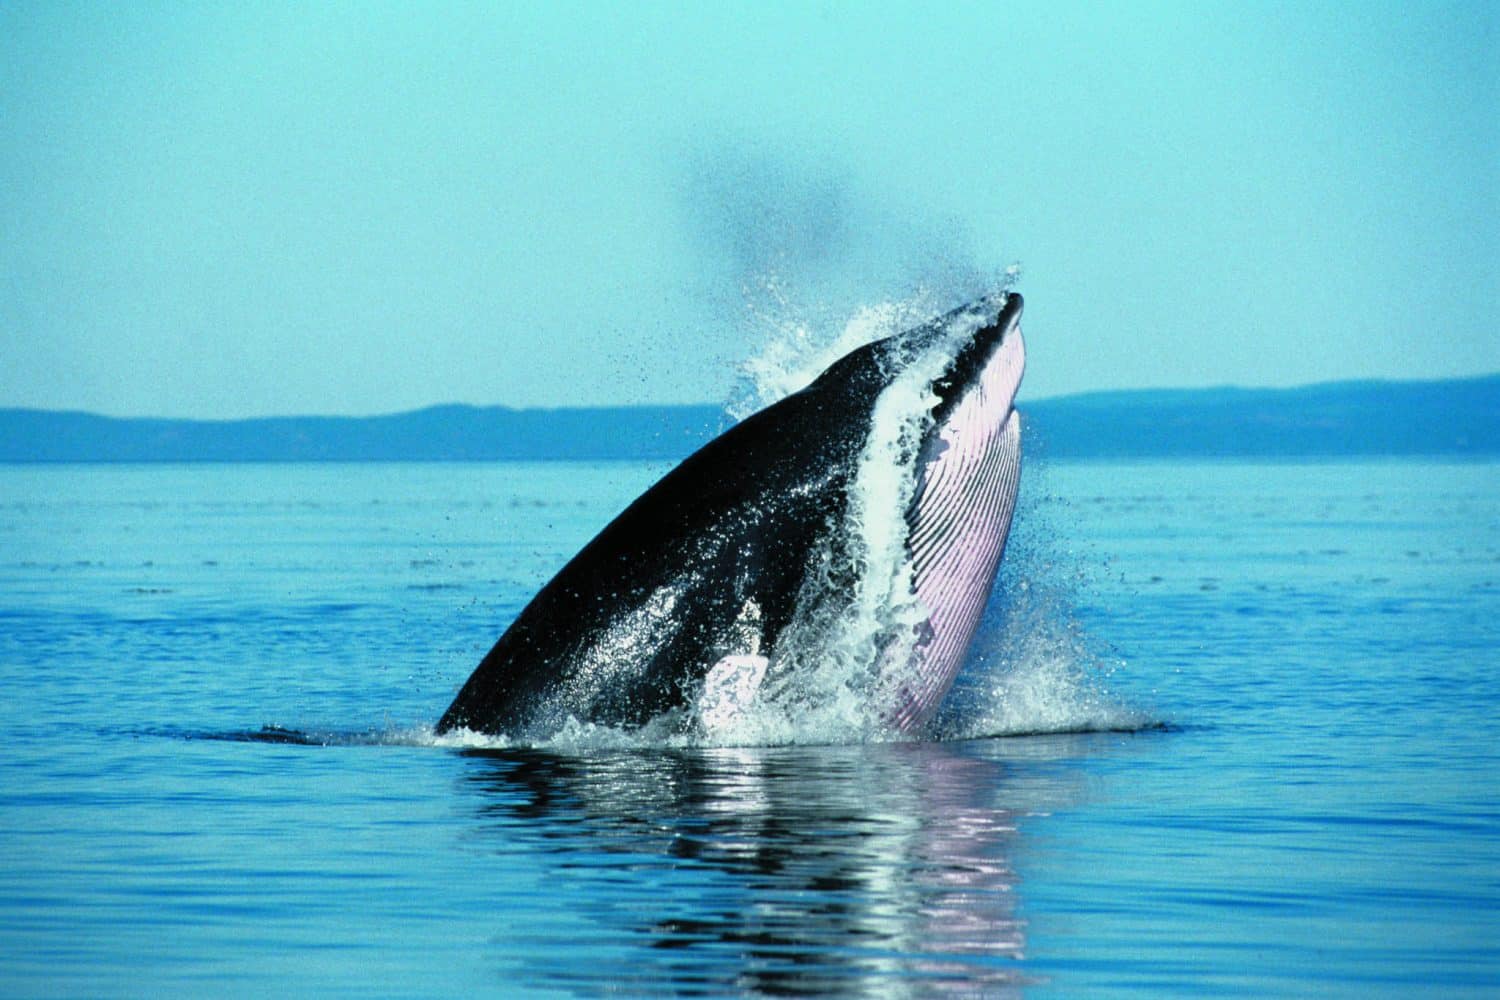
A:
(1010, 309)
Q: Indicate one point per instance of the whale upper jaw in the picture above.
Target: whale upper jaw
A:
(979, 389)
(972, 366)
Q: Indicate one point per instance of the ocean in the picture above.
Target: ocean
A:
(1231, 729)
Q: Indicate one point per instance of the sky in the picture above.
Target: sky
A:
(227, 210)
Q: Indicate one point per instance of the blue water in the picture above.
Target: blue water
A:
(1308, 801)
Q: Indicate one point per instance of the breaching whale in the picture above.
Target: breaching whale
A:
(743, 565)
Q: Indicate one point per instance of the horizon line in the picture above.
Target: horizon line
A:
(723, 407)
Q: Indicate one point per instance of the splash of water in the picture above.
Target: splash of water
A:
(1033, 669)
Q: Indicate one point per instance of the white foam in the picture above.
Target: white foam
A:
(793, 352)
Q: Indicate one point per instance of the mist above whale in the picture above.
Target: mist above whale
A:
(837, 546)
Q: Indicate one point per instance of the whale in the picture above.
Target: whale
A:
(861, 519)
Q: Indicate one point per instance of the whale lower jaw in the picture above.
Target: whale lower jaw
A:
(958, 524)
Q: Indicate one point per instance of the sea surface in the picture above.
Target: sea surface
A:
(1242, 737)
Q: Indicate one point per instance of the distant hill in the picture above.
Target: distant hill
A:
(437, 433)
(1455, 417)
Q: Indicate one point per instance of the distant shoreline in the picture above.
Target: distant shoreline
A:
(1446, 419)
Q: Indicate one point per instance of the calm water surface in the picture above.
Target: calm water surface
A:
(1321, 814)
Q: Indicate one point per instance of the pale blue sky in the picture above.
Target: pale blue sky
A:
(242, 209)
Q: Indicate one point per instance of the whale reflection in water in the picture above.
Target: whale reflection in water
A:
(792, 870)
